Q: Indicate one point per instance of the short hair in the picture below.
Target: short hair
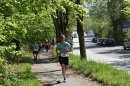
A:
(62, 36)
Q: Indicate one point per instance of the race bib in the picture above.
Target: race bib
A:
(63, 55)
(35, 49)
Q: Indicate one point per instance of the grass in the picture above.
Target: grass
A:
(20, 75)
(101, 72)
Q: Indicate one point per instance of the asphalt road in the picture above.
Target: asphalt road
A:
(114, 55)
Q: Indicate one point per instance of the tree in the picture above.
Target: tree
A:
(127, 8)
(99, 18)
(80, 31)
(118, 18)
(26, 19)
(61, 14)
(60, 17)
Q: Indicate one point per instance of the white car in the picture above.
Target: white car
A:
(75, 35)
(126, 44)
(85, 34)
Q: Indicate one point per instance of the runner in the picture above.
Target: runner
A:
(35, 51)
(40, 46)
(53, 42)
(46, 45)
(64, 48)
(17, 49)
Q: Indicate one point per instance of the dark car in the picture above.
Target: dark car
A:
(94, 39)
(109, 42)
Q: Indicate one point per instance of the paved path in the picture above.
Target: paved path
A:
(48, 72)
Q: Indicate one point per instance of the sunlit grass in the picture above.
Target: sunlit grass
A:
(21, 75)
(101, 72)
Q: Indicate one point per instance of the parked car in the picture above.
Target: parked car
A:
(94, 39)
(85, 34)
(108, 42)
(75, 35)
(126, 44)
(99, 41)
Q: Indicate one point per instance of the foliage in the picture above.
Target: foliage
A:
(98, 20)
(27, 20)
(23, 21)
(18, 75)
(127, 8)
(118, 18)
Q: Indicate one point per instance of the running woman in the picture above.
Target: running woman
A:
(46, 45)
(35, 51)
(64, 48)
(40, 46)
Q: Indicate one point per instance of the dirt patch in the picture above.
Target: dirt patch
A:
(48, 72)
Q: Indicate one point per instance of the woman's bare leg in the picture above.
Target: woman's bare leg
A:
(36, 58)
(64, 69)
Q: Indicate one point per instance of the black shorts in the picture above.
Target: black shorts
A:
(35, 52)
(40, 47)
(17, 49)
(47, 47)
(64, 60)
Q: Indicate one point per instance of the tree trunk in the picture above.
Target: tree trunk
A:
(80, 32)
(61, 23)
(57, 25)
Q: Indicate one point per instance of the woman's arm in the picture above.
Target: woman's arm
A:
(70, 49)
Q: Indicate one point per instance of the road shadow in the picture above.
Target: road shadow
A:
(126, 53)
(92, 47)
(124, 64)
